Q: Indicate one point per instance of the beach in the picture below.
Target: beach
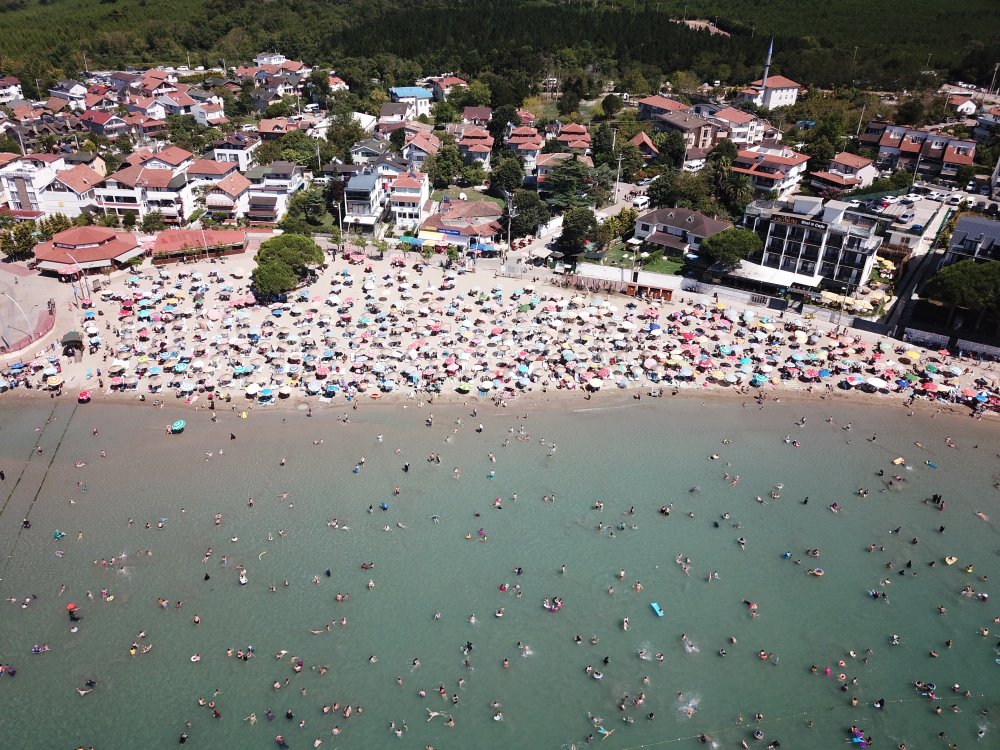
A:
(567, 456)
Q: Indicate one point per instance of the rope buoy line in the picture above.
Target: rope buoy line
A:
(27, 461)
(52, 458)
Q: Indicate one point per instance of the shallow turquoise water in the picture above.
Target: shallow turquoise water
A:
(643, 455)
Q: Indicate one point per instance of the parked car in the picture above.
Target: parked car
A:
(993, 209)
(906, 217)
(954, 199)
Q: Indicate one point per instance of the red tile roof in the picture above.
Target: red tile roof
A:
(139, 175)
(172, 240)
(173, 155)
(851, 160)
(233, 184)
(662, 102)
(211, 167)
(86, 245)
(735, 116)
(778, 82)
(80, 179)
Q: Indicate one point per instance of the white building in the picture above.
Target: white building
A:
(846, 172)
(771, 167)
(419, 97)
(72, 192)
(772, 92)
(238, 148)
(229, 199)
(209, 114)
(10, 89)
(364, 198)
(143, 189)
(24, 178)
(410, 200)
(272, 187)
(744, 128)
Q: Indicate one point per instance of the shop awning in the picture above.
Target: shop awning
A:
(416, 241)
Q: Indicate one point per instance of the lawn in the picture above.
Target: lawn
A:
(670, 265)
(473, 195)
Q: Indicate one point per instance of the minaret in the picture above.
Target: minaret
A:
(767, 65)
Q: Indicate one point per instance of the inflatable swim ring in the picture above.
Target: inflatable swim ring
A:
(818, 572)
(196, 658)
(950, 560)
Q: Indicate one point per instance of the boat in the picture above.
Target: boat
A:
(818, 572)
(178, 427)
(656, 608)
(83, 398)
(950, 560)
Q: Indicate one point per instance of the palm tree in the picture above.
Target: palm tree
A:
(737, 190)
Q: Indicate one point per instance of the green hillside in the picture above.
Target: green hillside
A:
(827, 43)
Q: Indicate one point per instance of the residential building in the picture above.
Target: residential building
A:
(73, 92)
(771, 167)
(929, 154)
(527, 143)
(229, 198)
(91, 159)
(272, 128)
(104, 123)
(238, 148)
(272, 187)
(479, 116)
(467, 224)
(337, 83)
(846, 172)
(646, 147)
(442, 86)
(396, 112)
(987, 123)
(209, 115)
(147, 106)
(368, 150)
(88, 248)
(677, 230)
(419, 97)
(71, 193)
(809, 243)
(574, 136)
(962, 104)
(173, 158)
(476, 146)
(700, 136)
(743, 128)
(420, 147)
(23, 178)
(173, 242)
(658, 104)
(208, 171)
(10, 90)
(974, 238)
(365, 200)
(146, 188)
(177, 102)
(410, 200)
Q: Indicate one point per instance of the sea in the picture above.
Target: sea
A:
(748, 641)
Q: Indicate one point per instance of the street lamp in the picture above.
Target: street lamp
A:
(511, 213)
(23, 314)
(82, 271)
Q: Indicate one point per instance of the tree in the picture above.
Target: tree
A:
(185, 132)
(503, 115)
(672, 148)
(969, 285)
(579, 225)
(397, 139)
(18, 241)
(444, 166)
(129, 220)
(444, 112)
(476, 94)
(529, 212)
(474, 174)
(51, 226)
(318, 85)
(564, 185)
(9, 145)
(738, 191)
(729, 247)
(344, 132)
(820, 150)
(152, 222)
(611, 104)
(724, 153)
(631, 161)
(283, 261)
(911, 112)
(661, 191)
(508, 175)
(568, 103)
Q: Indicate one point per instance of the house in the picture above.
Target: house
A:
(10, 89)
(962, 104)
(644, 143)
(527, 143)
(574, 136)
(809, 243)
(545, 163)
(238, 148)
(104, 123)
(177, 102)
(209, 115)
(261, 99)
(272, 187)
(396, 112)
(930, 154)
(442, 86)
(229, 198)
(366, 121)
(771, 167)
(173, 158)
(409, 199)
(388, 167)
(208, 171)
(419, 147)
(974, 238)
(156, 83)
(771, 92)
(700, 135)
(468, 224)
(987, 123)
(147, 106)
(71, 192)
(91, 159)
(69, 91)
(846, 172)
(337, 83)
(652, 106)
(23, 178)
(527, 118)
(146, 126)
(364, 201)
(677, 230)
(272, 128)
(88, 248)
(480, 116)
(145, 188)
(368, 150)
(743, 128)
(419, 97)
(476, 146)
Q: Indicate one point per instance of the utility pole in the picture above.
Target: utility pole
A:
(511, 213)
(614, 139)
(618, 175)
(861, 119)
(993, 81)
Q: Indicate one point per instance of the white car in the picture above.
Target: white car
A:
(935, 197)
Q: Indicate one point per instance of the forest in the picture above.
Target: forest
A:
(891, 44)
